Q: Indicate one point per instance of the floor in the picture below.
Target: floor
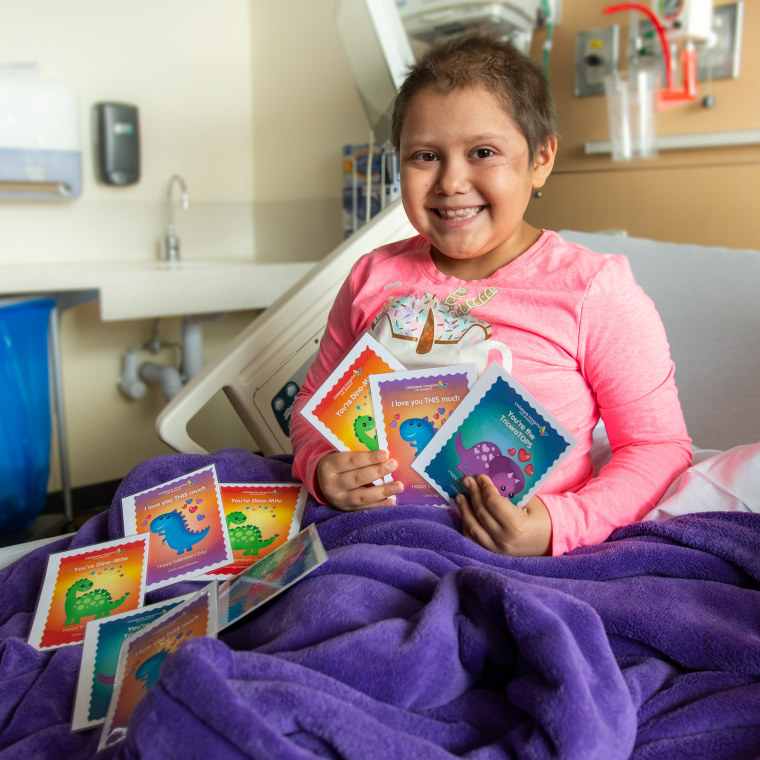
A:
(46, 526)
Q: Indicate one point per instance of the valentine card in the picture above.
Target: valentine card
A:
(100, 656)
(143, 654)
(410, 408)
(186, 524)
(89, 583)
(499, 430)
(271, 576)
(341, 409)
(260, 517)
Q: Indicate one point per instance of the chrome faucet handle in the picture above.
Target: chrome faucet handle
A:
(171, 241)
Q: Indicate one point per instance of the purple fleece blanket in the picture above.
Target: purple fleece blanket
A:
(413, 642)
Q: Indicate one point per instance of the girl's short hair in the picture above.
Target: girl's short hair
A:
(478, 59)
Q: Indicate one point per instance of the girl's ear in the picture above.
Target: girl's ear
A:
(543, 162)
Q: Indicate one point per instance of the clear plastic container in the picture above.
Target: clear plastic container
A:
(631, 97)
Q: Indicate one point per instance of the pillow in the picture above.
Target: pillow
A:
(727, 481)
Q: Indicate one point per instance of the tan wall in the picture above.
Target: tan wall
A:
(706, 196)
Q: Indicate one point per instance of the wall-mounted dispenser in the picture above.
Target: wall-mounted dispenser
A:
(117, 143)
(40, 146)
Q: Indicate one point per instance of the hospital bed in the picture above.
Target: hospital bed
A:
(411, 640)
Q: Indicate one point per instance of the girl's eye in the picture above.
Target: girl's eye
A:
(425, 156)
(482, 153)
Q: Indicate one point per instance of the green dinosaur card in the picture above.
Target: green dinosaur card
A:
(261, 517)
(87, 584)
(185, 521)
(341, 409)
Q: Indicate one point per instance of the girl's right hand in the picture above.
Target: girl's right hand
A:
(346, 477)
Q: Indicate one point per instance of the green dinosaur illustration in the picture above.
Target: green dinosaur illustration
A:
(363, 425)
(245, 535)
(98, 602)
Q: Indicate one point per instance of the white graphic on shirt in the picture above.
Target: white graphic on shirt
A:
(423, 331)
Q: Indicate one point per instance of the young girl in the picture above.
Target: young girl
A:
(473, 125)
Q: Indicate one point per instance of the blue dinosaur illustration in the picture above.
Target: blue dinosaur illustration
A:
(149, 670)
(418, 431)
(173, 528)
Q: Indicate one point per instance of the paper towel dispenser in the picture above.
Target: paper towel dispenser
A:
(40, 145)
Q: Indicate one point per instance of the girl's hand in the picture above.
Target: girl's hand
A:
(345, 479)
(496, 523)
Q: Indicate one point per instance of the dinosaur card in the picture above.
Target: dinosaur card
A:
(261, 517)
(499, 430)
(85, 584)
(100, 656)
(410, 408)
(185, 522)
(143, 654)
(271, 576)
(341, 409)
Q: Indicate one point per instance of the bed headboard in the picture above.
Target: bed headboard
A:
(709, 302)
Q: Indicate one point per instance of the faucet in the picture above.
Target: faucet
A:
(171, 241)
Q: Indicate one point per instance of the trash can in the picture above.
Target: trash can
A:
(24, 411)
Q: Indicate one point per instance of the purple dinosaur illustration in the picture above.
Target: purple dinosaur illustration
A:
(417, 431)
(486, 458)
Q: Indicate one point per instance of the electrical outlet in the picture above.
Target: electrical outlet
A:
(596, 55)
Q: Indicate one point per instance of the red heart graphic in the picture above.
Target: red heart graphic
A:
(529, 469)
(192, 509)
(436, 416)
(523, 455)
(396, 416)
(511, 452)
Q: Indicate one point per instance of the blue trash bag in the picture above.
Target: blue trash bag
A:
(24, 412)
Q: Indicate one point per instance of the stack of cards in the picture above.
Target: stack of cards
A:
(190, 528)
(493, 426)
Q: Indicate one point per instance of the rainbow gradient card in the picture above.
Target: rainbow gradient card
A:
(100, 657)
(410, 408)
(261, 517)
(341, 409)
(142, 655)
(93, 582)
(186, 524)
(270, 577)
(499, 430)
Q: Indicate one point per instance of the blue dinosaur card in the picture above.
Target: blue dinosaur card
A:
(100, 656)
(185, 521)
(143, 653)
(410, 408)
(89, 583)
(499, 430)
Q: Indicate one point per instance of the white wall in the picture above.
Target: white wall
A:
(305, 109)
(187, 65)
(251, 101)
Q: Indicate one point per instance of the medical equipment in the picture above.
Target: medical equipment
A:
(678, 23)
(430, 20)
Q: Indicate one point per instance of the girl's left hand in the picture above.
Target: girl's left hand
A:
(496, 523)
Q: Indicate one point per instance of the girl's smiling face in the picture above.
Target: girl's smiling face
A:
(466, 180)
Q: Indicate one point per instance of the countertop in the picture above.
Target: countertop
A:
(148, 289)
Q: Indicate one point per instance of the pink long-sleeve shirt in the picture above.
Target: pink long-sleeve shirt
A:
(571, 325)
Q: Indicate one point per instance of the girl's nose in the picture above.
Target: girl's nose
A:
(453, 177)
